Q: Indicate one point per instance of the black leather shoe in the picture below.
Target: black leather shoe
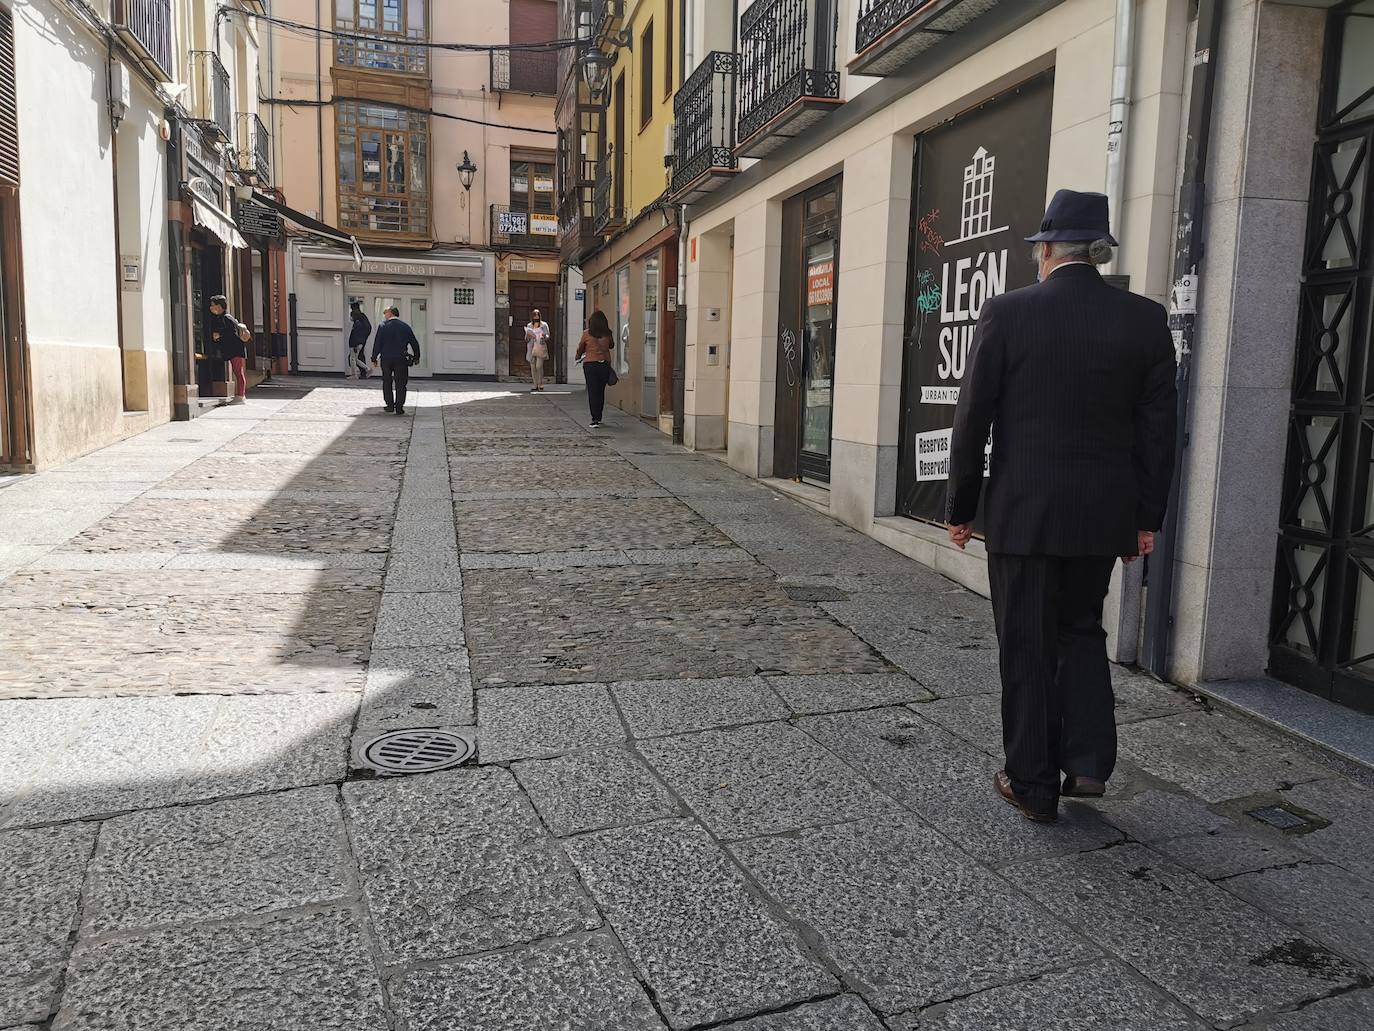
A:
(400, 411)
(1002, 783)
(1083, 787)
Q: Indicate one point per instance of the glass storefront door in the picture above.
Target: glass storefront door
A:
(1322, 635)
(414, 309)
(649, 407)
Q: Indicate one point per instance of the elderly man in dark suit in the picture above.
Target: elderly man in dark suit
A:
(1074, 379)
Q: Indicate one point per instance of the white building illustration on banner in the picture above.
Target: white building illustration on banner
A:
(975, 218)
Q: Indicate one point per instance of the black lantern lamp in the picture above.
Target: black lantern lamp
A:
(467, 171)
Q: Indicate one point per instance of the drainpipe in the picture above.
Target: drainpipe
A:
(319, 107)
(688, 64)
(1188, 254)
(1120, 110)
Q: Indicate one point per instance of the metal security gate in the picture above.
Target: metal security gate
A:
(1322, 635)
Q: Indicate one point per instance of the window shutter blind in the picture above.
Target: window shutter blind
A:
(9, 120)
(533, 21)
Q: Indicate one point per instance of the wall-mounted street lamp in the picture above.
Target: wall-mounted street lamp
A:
(467, 171)
(596, 63)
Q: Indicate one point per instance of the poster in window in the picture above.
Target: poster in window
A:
(543, 225)
(543, 183)
(820, 282)
(980, 188)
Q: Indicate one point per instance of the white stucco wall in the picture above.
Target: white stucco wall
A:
(68, 229)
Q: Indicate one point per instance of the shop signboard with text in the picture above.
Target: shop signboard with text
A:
(980, 188)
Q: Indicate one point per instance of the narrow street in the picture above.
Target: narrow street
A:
(732, 760)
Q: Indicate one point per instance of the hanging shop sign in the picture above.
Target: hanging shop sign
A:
(980, 190)
(257, 219)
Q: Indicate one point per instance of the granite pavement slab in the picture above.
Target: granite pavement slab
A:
(580, 983)
(473, 871)
(417, 687)
(1329, 905)
(1349, 809)
(839, 692)
(1221, 957)
(762, 779)
(842, 1013)
(530, 722)
(307, 971)
(187, 864)
(41, 873)
(594, 790)
(909, 918)
(707, 947)
(1106, 996)
(655, 708)
(1226, 854)
(1351, 1012)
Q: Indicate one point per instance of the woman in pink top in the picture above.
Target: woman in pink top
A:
(537, 335)
(594, 351)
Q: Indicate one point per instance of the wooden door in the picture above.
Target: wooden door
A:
(525, 296)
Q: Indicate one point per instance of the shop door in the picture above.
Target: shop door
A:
(1323, 618)
(414, 309)
(525, 297)
(806, 334)
(649, 402)
(207, 280)
(14, 401)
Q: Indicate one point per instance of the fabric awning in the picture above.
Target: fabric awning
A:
(216, 221)
(313, 226)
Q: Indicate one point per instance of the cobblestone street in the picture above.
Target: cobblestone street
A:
(733, 760)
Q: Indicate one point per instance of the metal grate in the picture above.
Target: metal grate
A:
(1286, 819)
(416, 751)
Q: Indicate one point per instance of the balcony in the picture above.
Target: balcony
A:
(608, 213)
(210, 103)
(787, 76)
(532, 72)
(575, 237)
(894, 33)
(146, 26)
(704, 144)
(522, 230)
(254, 148)
(606, 16)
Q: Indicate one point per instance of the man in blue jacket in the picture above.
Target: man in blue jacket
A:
(396, 350)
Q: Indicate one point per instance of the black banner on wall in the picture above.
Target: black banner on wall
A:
(980, 188)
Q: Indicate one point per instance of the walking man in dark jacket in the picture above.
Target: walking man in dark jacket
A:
(1075, 380)
(357, 341)
(396, 349)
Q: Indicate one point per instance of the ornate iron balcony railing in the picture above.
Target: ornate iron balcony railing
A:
(254, 147)
(787, 53)
(877, 17)
(146, 25)
(704, 114)
(210, 93)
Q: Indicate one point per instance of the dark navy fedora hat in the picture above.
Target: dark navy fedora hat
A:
(1075, 216)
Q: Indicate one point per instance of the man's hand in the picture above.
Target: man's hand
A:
(1144, 545)
(960, 534)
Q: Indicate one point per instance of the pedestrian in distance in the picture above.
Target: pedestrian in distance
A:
(358, 333)
(229, 337)
(594, 352)
(1074, 379)
(395, 349)
(537, 336)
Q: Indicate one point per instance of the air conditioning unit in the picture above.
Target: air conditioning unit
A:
(669, 139)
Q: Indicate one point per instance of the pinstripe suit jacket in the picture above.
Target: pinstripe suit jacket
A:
(1074, 379)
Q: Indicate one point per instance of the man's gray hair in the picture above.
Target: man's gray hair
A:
(1098, 252)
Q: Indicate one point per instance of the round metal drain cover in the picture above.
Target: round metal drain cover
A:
(416, 751)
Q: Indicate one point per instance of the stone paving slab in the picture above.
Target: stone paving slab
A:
(594, 790)
(41, 872)
(1217, 856)
(910, 919)
(1352, 1012)
(656, 708)
(308, 972)
(211, 862)
(531, 722)
(582, 983)
(1241, 758)
(1328, 904)
(764, 779)
(840, 692)
(1224, 959)
(1349, 808)
(457, 863)
(1105, 996)
(417, 687)
(419, 620)
(638, 623)
(949, 785)
(842, 1013)
(1154, 815)
(581, 523)
(707, 947)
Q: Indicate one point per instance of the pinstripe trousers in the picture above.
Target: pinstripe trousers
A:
(1057, 705)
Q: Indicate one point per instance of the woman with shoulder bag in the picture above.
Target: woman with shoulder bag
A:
(537, 335)
(230, 336)
(594, 351)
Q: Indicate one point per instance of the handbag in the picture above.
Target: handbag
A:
(611, 378)
(539, 350)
